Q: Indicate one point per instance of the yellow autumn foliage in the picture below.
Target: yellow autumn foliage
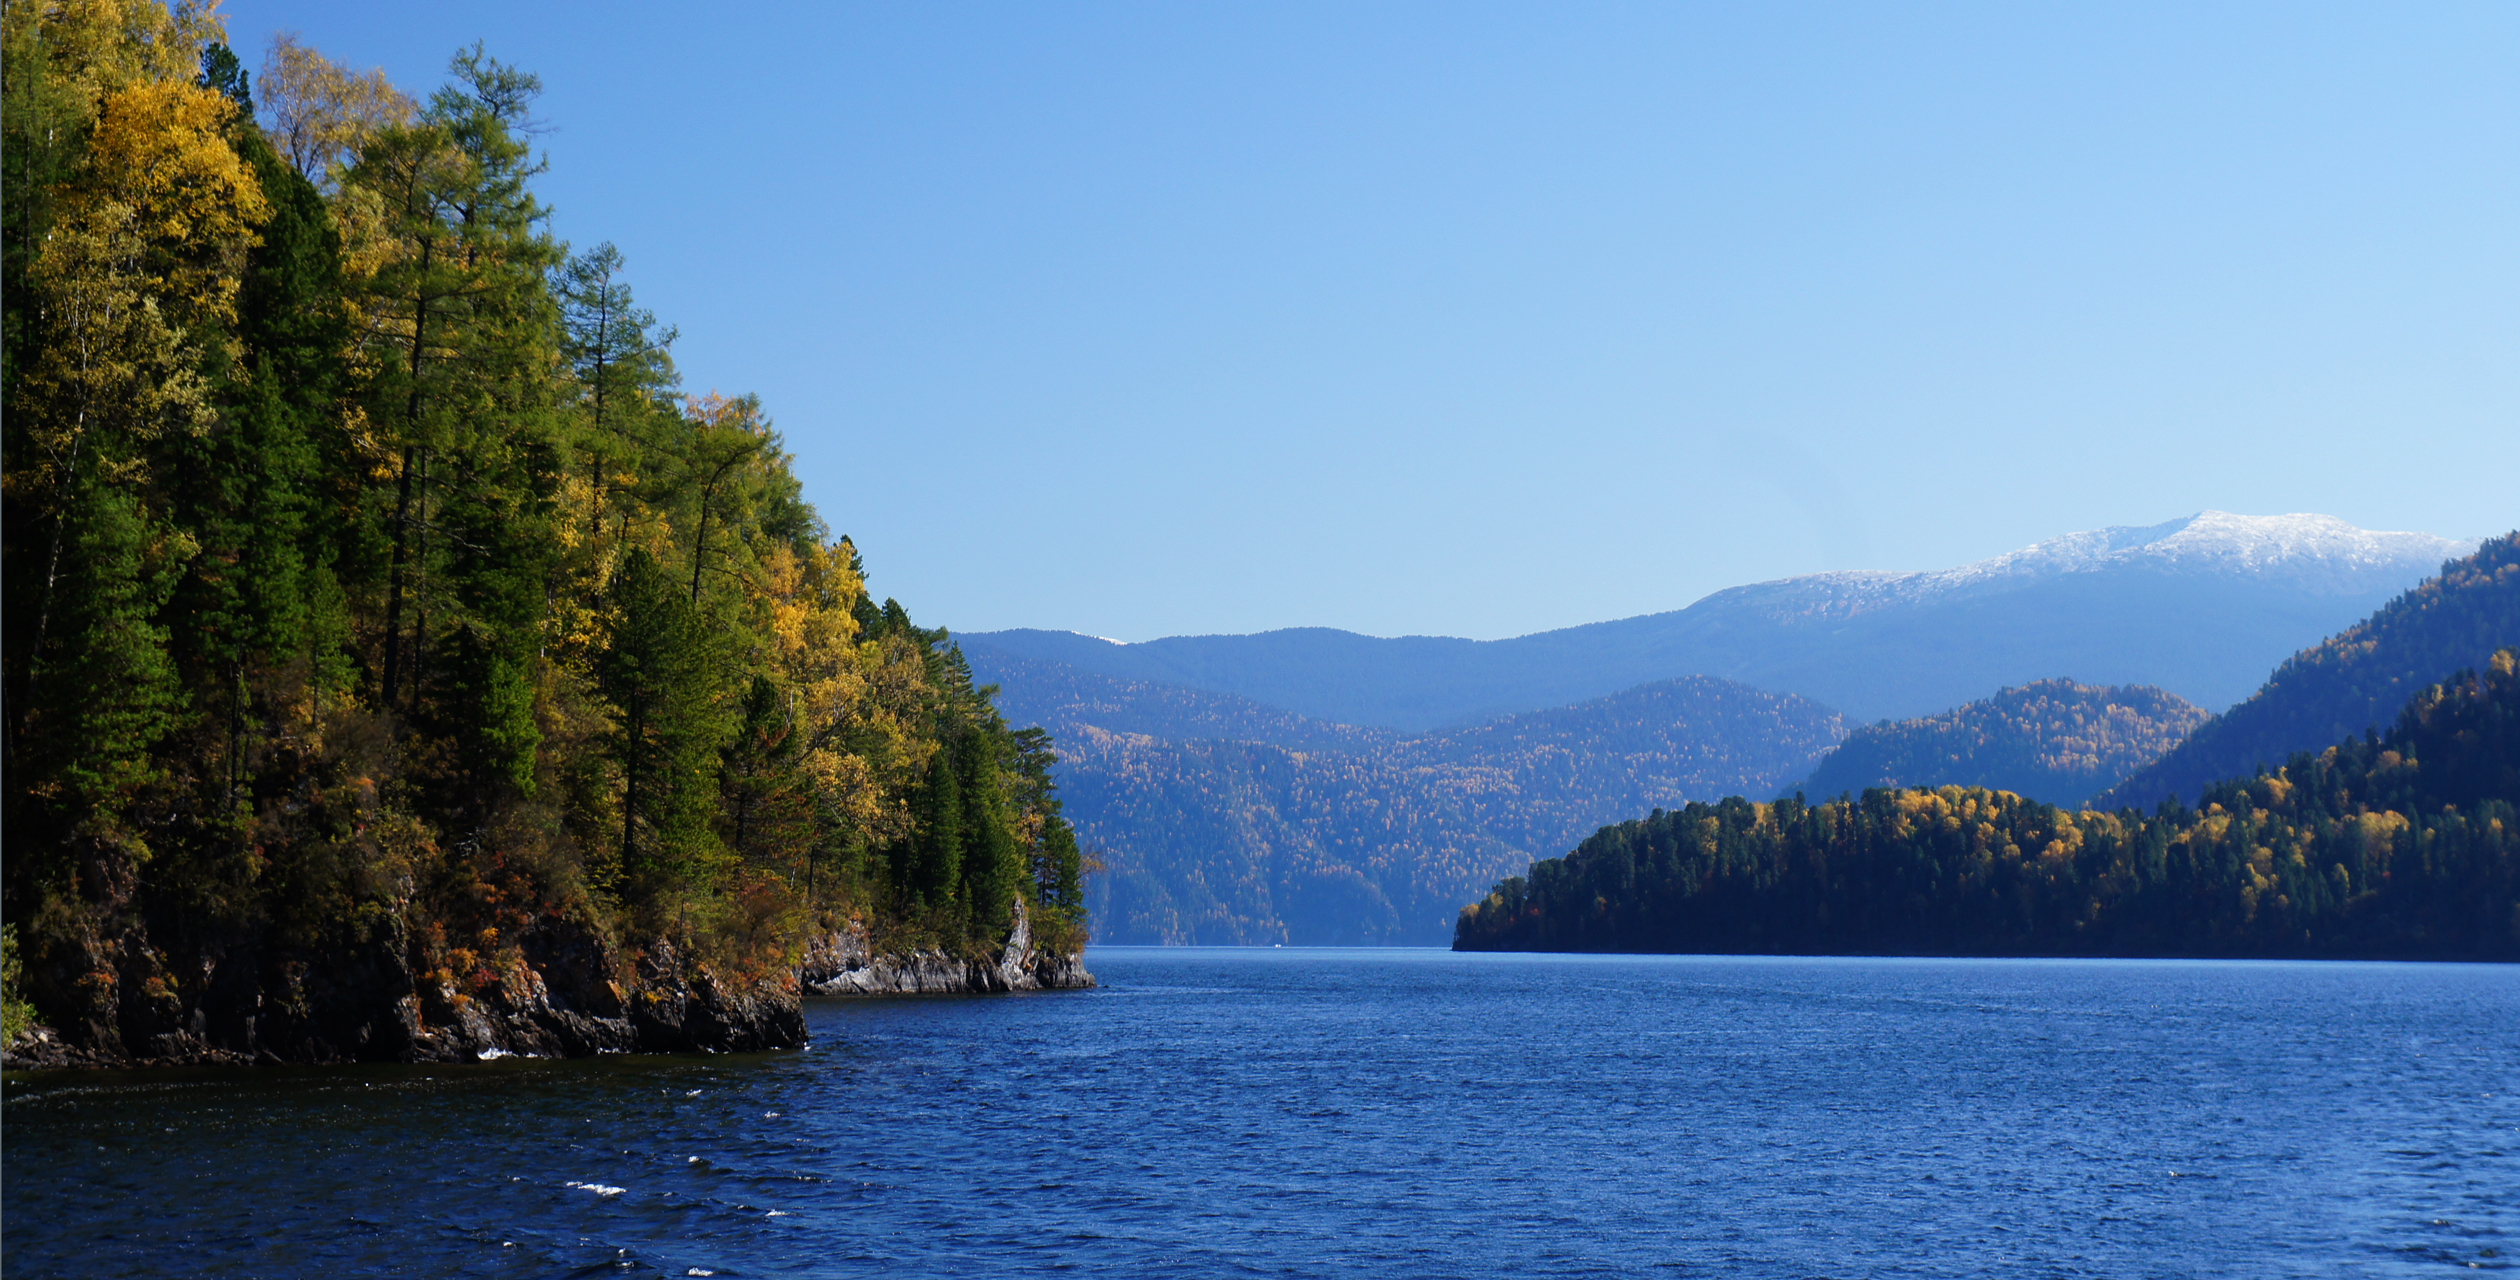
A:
(137, 278)
(321, 111)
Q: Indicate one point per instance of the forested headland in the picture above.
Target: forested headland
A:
(2405, 846)
(399, 659)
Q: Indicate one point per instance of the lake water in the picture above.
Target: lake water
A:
(1370, 1113)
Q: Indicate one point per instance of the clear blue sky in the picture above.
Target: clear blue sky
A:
(1477, 320)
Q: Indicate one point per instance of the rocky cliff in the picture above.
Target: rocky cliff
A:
(132, 996)
(137, 998)
(848, 964)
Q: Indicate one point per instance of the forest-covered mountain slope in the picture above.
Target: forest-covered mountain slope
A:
(398, 663)
(2247, 590)
(1279, 829)
(2405, 846)
(2052, 740)
(2353, 682)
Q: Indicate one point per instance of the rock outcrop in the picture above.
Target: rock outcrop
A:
(563, 992)
(847, 964)
(122, 999)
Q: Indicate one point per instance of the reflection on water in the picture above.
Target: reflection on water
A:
(1379, 1113)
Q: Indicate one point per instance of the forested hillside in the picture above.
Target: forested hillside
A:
(2353, 682)
(1320, 833)
(389, 635)
(2403, 846)
(2054, 741)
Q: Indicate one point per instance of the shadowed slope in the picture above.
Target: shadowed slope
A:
(2352, 683)
(1275, 828)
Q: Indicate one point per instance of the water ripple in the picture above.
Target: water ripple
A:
(1293, 1113)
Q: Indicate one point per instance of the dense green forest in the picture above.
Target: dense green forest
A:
(2354, 681)
(2406, 845)
(368, 568)
(1222, 821)
(2051, 740)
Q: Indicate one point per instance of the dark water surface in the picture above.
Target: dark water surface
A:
(1370, 1113)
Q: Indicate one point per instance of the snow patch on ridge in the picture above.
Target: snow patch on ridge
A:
(2318, 553)
(2221, 541)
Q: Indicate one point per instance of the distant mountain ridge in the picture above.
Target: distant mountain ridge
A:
(2053, 740)
(2201, 606)
(1063, 698)
(1254, 826)
(2353, 682)
(2316, 553)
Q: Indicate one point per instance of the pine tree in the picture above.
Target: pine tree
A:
(1058, 866)
(104, 689)
(659, 672)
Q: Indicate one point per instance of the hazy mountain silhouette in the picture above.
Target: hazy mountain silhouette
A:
(2201, 606)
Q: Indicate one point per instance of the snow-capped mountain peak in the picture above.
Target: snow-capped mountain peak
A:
(2315, 553)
